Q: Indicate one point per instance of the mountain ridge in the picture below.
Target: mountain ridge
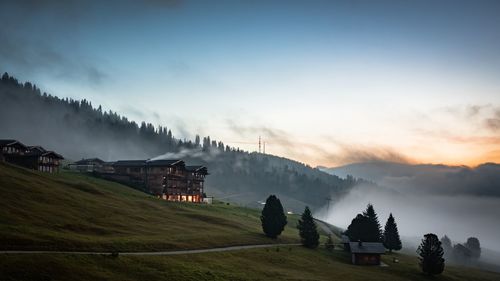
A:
(77, 129)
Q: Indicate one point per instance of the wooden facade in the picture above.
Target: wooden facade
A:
(186, 185)
(170, 180)
(366, 253)
(31, 157)
(87, 165)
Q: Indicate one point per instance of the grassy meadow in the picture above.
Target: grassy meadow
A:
(71, 211)
(287, 263)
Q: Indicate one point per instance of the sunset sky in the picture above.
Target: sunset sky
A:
(323, 82)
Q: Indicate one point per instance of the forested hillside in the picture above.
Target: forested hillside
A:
(77, 129)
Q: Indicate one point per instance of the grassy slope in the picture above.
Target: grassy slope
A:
(71, 211)
(289, 263)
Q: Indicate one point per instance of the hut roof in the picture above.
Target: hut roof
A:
(367, 247)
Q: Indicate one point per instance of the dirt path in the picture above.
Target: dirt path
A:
(162, 253)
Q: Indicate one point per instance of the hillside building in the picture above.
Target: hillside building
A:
(170, 180)
(366, 253)
(31, 157)
(87, 165)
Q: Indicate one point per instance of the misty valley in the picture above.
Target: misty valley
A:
(249, 140)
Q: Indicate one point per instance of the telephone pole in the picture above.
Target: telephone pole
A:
(259, 144)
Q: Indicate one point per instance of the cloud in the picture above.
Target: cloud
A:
(25, 50)
(357, 154)
(330, 151)
(28, 56)
(31, 33)
(493, 123)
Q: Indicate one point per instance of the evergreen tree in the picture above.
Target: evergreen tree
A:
(474, 246)
(461, 254)
(273, 217)
(329, 243)
(430, 254)
(372, 215)
(391, 235)
(307, 229)
(362, 228)
(447, 247)
(197, 141)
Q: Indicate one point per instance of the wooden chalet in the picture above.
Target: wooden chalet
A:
(12, 147)
(186, 186)
(87, 165)
(366, 253)
(170, 180)
(31, 157)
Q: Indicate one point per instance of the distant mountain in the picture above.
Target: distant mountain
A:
(482, 180)
(76, 129)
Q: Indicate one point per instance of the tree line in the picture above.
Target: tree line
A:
(366, 227)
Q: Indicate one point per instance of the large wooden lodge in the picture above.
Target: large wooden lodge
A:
(170, 180)
(31, 157)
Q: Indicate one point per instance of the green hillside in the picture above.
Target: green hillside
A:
(71, 211)
(289, 263)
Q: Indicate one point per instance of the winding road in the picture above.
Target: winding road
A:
(161, 253)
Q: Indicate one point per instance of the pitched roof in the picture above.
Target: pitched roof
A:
(86, 161)
(367, 247)
(40, 151)
(53, 154)
(132, 163)
(11, 142)
(7, 142)
(166, 162)
(198, 169)
(36, 149)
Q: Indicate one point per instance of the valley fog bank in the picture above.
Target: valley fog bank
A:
(458, 216)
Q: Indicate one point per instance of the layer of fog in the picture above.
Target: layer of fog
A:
(416, 214)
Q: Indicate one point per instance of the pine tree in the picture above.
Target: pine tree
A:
(391, 240)
(447, 247)
(329, 243)
(273, 217)
(307, 229)
(430, 254)
(372, 215)
(362, 228)
(474, 246)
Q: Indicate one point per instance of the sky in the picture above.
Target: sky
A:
(322, 82)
